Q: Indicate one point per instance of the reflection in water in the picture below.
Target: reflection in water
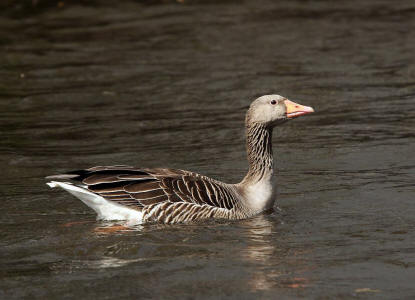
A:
(259, 232)
(263, 252)
(108, 262)
(260, 252)
(104, 262)
(116, 227)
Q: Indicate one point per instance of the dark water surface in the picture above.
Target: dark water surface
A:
(150, 84)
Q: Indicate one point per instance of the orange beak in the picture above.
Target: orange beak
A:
(295, 110)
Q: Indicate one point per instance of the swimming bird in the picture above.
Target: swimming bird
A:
(162, 195)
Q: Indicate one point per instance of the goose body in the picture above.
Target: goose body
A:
(162, 195)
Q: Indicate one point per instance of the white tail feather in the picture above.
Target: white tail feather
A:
(106, 210)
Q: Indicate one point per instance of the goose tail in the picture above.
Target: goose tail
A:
(105, 209)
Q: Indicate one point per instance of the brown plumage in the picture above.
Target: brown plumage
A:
(171, 196)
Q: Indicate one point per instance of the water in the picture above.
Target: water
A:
(165, 83)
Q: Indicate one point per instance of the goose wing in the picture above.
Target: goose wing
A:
(140, 188)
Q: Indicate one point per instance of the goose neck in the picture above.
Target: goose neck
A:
(259, 153)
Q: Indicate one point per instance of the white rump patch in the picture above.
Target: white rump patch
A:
(106, 210)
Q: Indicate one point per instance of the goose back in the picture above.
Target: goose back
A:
(163, 195)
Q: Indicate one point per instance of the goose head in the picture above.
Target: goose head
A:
(271, 110)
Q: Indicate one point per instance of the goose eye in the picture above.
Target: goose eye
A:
(273, 102)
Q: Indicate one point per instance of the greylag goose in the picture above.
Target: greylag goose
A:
(140, 195)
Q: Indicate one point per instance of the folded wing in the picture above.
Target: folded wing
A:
(138, 188)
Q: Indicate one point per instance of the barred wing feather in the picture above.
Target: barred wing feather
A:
(140, 188)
